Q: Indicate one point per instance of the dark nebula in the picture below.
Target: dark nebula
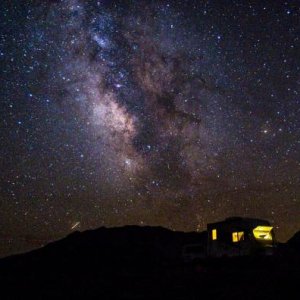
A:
(171, 113)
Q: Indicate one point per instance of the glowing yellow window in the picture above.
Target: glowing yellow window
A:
(237, 236)
(263, 233)
(214, 234)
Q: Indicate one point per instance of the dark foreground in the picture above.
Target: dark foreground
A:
(145, 263)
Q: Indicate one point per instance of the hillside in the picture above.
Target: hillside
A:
(142, 263)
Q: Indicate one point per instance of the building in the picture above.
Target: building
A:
(237, 236)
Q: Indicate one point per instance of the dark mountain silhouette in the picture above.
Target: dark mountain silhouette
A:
(294, 242)
(134, 262)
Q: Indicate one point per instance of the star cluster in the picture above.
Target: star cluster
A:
(171, 113)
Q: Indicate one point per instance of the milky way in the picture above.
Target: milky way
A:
(171, 113)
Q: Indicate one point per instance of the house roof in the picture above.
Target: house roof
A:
(240, 221)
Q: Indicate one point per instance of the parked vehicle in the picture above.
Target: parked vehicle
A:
(193, 252)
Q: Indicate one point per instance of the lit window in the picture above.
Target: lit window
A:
(237, 236)
(263, 233)
(214, 234)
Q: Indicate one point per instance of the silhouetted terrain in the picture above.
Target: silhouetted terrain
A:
(146, 263)
(294, 242)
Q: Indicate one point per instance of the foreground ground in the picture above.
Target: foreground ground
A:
(144, 263)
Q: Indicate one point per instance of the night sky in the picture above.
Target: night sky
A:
(170, 113)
